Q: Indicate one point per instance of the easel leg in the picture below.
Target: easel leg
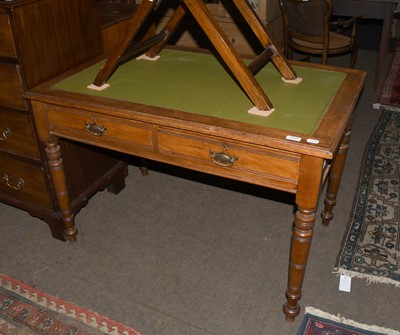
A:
(138, 19)
(258, 28)
(229, 54)
(169, 28)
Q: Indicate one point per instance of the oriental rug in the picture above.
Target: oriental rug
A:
(371, 248)
(25, 310)
(316, 322)
(389, 96)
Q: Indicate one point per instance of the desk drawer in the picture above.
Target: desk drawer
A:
(16, 134)
(11, 86)
(7, 47)
(263, 166)
(23, 181)
(109, 132)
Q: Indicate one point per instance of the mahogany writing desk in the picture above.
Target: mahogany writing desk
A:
(186, 110)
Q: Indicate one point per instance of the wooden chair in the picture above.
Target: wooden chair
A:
(308, 28)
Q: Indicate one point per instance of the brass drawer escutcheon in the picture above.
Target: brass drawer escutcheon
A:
(6, 133)
(222, 158)
(20, 182)
(95, 129)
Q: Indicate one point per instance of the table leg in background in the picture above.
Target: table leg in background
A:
(335, 176)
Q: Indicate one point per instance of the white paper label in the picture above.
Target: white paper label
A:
(293, 138)
(345, 283)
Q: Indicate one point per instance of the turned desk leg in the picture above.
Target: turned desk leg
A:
(310, 179)
(335, 176)
(56, 166)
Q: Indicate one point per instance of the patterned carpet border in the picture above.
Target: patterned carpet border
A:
(26, 310)
(389, 96)
(371, 247)
(316, 322)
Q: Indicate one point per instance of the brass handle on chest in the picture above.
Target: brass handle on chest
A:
(95, 129)
(20, 182)
(222, 158)
(6, 132)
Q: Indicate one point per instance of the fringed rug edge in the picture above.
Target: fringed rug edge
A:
(390, 107)
(337, 268)
(370, 279)
(340, 319)
(53, 303)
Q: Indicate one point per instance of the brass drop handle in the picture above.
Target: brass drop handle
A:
(6, 132)
(20, 182)
(222, 158)
(95, 129)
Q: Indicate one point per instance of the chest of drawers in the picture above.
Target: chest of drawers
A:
(231, 22)
(40, 39)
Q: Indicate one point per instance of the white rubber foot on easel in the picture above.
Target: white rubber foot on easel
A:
(292, 81)
(256, 111)
(148, 58)
(98, 88)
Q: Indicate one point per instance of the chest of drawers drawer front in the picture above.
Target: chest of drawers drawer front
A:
(24, 181)
(109, 132)
(11, 87)
(16, 134)
(7, 47)
(263, 166)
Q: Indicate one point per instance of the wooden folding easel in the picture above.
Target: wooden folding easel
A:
(243, 73)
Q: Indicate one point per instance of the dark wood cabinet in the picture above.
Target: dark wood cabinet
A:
(114, 20)
(230, 21)
(40, 39)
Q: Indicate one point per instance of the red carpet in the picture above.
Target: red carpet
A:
(317, 322)
(25, 310)
(390, 94)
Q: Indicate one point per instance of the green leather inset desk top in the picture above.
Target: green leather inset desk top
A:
(198, 83)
